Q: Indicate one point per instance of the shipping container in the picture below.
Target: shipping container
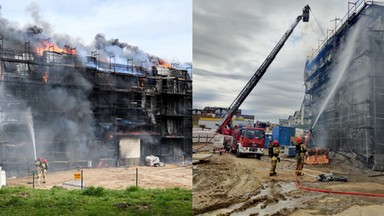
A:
(283, 134)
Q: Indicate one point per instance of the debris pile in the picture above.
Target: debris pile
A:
(331, 177)
(152, 160)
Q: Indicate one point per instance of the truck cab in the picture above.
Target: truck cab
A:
(249, 141)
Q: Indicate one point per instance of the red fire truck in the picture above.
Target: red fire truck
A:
(247, 141)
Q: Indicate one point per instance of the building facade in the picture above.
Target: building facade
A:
(343, 87)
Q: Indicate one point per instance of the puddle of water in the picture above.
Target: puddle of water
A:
(275, 207)
(273, 192)
(269, 192)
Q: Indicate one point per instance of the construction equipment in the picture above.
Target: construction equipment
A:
(224, 126)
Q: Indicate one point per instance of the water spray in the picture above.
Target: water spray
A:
(309, 135)
(344, 62)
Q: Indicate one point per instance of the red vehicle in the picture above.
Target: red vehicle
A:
(248, 141)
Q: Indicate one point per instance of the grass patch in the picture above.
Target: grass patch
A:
(95, 201)
(92, 191)
(132, 188)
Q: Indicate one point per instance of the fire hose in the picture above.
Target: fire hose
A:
(332, 191)
(336, 192)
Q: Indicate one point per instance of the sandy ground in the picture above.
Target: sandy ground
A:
(169, 176)
(226, 185)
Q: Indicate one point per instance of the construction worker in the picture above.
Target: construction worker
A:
(275, 158)
(38, 164)
(300, 150)
(44, 168)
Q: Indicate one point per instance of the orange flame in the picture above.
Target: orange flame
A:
(164, 63)
(49, 46)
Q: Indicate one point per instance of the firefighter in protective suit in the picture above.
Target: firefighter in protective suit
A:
(300, 150)
(38, 164)
(275, 158)
(44, 168)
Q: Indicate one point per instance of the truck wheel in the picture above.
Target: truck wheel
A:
(238, 154)
(258, 156)
(226, 147)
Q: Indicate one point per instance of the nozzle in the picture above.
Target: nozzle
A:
(306, 13)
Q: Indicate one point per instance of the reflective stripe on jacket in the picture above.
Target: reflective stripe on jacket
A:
(276, 152)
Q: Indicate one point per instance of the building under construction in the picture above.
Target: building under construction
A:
(344, 95)
(79, 111)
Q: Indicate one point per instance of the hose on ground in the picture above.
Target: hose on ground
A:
(335, 192)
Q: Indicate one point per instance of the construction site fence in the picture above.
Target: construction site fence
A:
(202, 139)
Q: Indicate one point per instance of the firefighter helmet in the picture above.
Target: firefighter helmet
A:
(45, 161)
(275, 143)
(299, 140)
(39, 159)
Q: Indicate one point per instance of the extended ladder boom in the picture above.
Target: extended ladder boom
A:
(259, 73)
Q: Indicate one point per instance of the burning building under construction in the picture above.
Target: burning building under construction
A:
(77, 107)
(344, 96)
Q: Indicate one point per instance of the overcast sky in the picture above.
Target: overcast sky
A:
(232, 38)
(161, 28)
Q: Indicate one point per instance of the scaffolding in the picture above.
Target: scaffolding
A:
(100, 105)
(352, 120)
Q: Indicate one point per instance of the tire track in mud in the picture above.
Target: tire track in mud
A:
(275, 198)
(242, 186)
(227, 185)
(222, 182)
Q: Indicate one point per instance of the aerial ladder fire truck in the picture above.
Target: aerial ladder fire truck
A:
(250, 140)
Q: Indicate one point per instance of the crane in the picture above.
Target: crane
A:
(222, 125)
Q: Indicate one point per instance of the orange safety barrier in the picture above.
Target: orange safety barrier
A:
(317, 156)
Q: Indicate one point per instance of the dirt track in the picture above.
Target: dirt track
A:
(169, 176)
(226, 185)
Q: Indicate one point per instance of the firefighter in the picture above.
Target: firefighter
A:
(270, 148)
(300, 150)
(44, 168)
(275, 158)
(38, 164)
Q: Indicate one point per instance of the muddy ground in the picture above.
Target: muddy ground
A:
(169, 176)
(226, 185)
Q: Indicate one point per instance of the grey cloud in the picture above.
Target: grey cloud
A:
(217, 75)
